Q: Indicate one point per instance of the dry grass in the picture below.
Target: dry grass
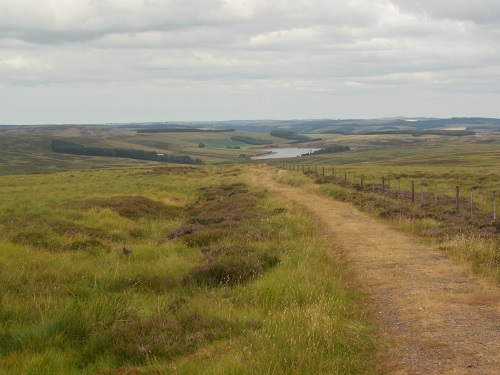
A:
(418, 293)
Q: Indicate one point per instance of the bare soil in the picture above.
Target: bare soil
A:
(437, 317)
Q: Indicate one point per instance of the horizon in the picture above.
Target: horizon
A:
(173, 122)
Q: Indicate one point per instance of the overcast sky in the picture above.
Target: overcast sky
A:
(96, 61)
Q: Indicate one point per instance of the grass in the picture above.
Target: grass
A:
(249, 288)
(474, 240)
(222, 278)
(436, 165)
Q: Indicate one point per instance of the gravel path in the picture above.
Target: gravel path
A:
(437, 316)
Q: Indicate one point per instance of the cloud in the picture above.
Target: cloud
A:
(239, 48)
(477, 11)
(57, 21)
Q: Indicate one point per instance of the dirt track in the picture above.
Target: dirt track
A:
(436, 315)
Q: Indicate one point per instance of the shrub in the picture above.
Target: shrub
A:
(166, 336)
(230, 265)
(134, 207)
(87, 245)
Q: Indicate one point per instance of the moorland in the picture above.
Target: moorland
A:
(114, 265)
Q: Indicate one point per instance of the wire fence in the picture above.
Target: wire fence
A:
(424, 192)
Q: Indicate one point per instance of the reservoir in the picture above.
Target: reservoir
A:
(288, 152)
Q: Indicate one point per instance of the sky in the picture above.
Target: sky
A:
(115, 61)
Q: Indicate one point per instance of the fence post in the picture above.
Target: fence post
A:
(435, 194)
(323, 171)
(345, 176)
(399, 186)
(457, 198)
(333, 172)
(362, 182)
(412, 191)
(494, 205)
(471, 201)
(354, 177)
(383, 185)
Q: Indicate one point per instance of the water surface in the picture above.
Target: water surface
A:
(288, 152)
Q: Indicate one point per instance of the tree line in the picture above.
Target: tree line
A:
(184, 130)
(418, 133)
(329, 150)
(251, 140)
(66, 147)
(293, 136)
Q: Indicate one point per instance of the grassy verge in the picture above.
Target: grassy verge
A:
(474, 240)
(169, 270)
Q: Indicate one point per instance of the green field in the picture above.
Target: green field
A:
(222, 278)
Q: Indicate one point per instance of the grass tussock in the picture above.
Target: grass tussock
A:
(135, 207)
(219, 212)
(138, 341)
(230, 265)
(293, 179)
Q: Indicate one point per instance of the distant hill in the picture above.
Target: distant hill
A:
(476, 124)
(307, 126)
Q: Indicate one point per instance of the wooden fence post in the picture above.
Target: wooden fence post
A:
(383, 185)
(435, 194)
(471, 201)
(323, 171)
(412, 191)
(457, 198)
(362, 182)
(399, 186)
(494, 205)
(345, 176)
